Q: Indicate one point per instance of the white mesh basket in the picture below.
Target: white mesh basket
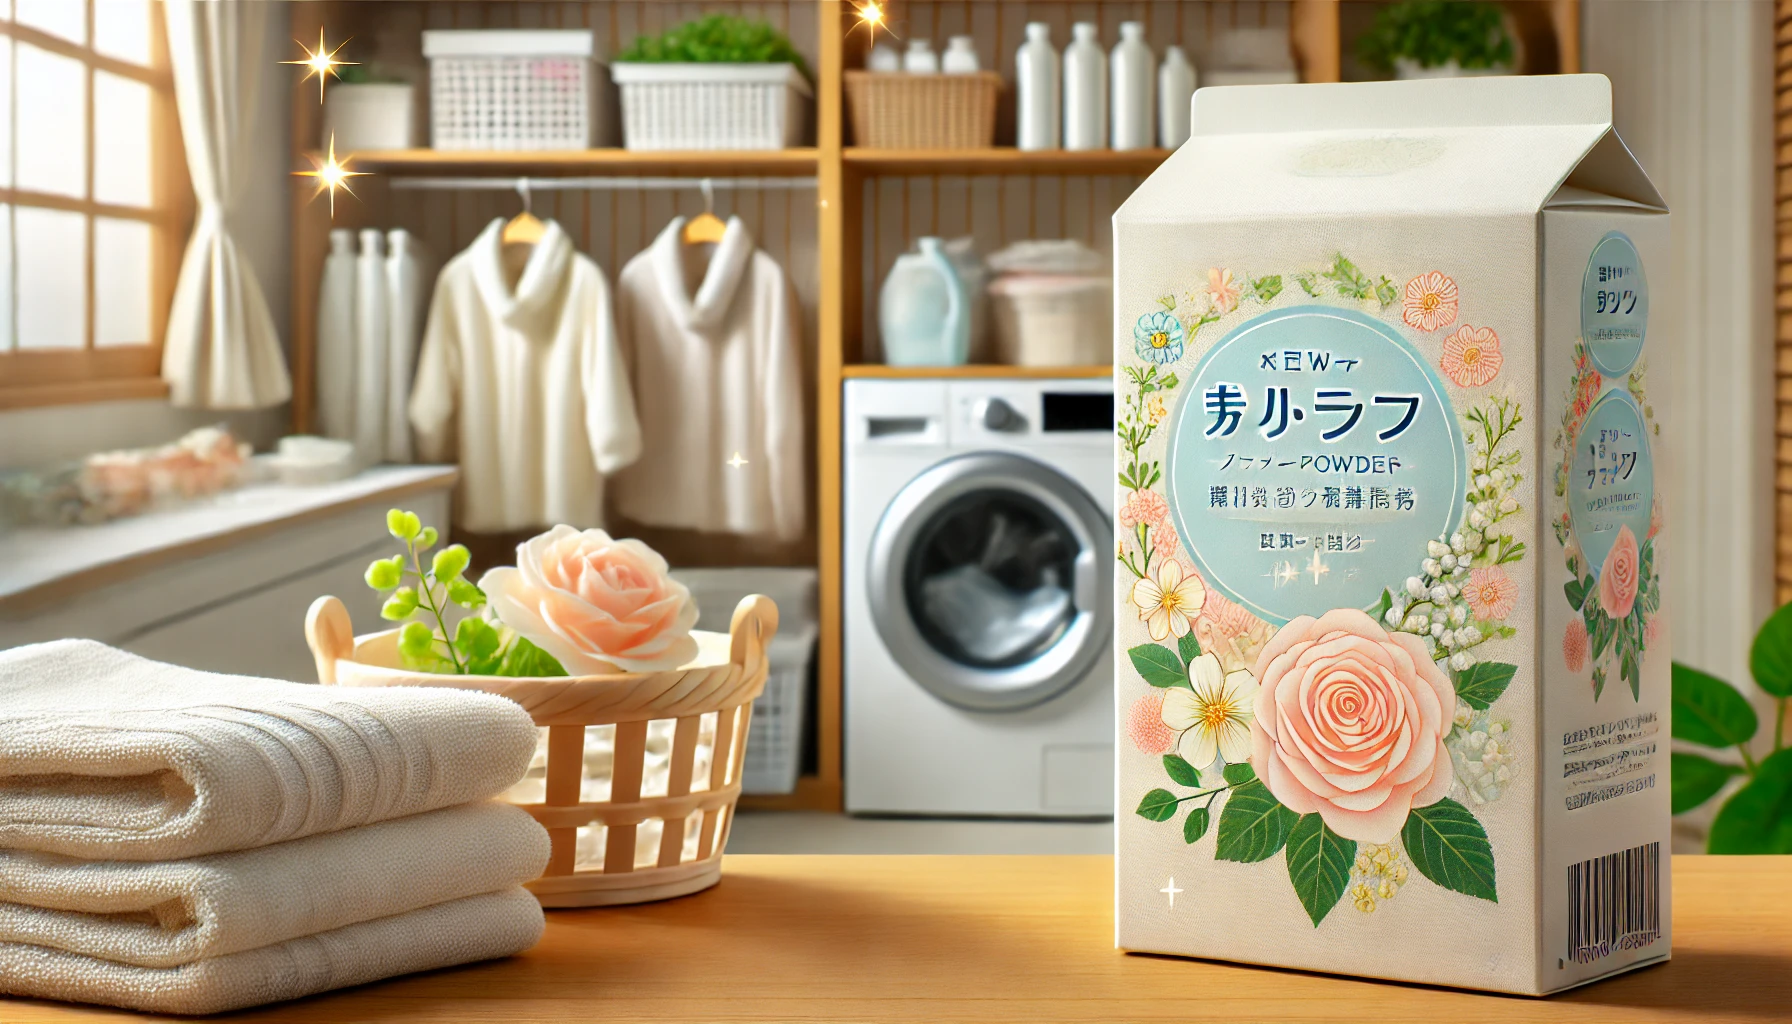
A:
(501, 89)
(711, 106)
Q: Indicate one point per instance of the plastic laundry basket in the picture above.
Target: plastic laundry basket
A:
(774, 757)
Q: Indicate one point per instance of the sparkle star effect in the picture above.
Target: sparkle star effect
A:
(1317, 567)
(872, 17)
(322, 62)
(1170, 890)
(737, 461)
(1282, 573)
(331, 174)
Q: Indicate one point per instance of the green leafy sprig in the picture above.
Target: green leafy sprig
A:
(1436, 32)
(474, 646)
(716, 39)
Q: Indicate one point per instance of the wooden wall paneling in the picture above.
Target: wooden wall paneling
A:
(1782, 148)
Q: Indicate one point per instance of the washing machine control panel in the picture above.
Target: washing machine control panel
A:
(996, 414)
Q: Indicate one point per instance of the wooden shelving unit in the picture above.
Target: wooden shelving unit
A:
(869, 204)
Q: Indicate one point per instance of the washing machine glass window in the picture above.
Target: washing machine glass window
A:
(988, 579)
(986, 582)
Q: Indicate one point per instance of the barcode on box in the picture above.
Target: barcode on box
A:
(1614, 903)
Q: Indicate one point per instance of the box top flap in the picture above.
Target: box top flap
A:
(1476, 147)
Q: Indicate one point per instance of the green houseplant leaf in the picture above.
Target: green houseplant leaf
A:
(1770, 658)
(1240, 773)
(1481, 684)
(1758, 818)
(1697, 779)
(716, 39)
(1448, 845)
(1253, 825)
(1158, 665)
(1318, 865)
(1158, 805)
(1708, 711)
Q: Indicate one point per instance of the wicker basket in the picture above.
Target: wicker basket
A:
(710, 106)
(713, 696)
(903, 111)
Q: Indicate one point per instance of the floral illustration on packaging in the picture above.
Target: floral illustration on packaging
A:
(1618, 595)
(1354, 743)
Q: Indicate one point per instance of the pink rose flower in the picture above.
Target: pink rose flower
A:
(596, 604)
(1145, 724)
(1350, 723)
(1144, 506)
(1575, 644)
(1618, 578)
(1471, 357)
(1490, 593)
(1163, 541)
(1429, 302)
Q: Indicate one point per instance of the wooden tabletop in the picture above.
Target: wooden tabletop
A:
(1009, 938)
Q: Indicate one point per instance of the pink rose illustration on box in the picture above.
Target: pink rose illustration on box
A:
(1350, 724)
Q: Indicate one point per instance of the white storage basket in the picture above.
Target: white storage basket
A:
(711, 106)
(774, 757)
(513, 89)
(1053, 319)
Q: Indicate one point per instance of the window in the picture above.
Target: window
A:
(94, 203)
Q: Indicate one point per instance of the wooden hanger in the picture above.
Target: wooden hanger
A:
(706, 226)
(525, 228)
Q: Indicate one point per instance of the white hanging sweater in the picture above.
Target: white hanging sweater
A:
(718, 375)
(526, 390)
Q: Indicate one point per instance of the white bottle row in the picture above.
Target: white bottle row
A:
(960, 58)
(1089, 99)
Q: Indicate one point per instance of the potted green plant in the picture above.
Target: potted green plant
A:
(719, 82)
(1439, 39)
(1710, 713)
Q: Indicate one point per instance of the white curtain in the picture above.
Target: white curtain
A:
(221, 350)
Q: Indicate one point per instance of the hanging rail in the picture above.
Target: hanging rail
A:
(529, 184)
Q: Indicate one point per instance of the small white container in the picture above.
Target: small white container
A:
(920, 58)
(1175, 84)
(1038, 105)
(1131, 67)
(1085, 90)
(960, 57)
(884, 58)
(366, 116)
(711, 106)
(1053, 319)
(302, 460)
(513, 89)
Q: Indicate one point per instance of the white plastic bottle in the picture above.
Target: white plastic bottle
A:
(920, 58)
(884, 58)
(1131, 67)
(960, 57)
(1085, 90)
(336, 339)
(1175, 84)
(371, 358)
(1037, 105)
(405, 298)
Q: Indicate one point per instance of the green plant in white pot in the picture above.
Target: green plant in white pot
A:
(719, 82)
(1439, 39)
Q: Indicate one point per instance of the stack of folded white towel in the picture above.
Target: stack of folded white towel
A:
(183, 842)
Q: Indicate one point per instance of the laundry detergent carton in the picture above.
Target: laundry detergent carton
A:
(1391, 650)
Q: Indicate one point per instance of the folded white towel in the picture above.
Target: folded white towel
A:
(461, 931)
(108, 756)
(168, 913)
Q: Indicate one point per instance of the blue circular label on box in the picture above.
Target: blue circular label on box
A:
(1614, 305)
(1612, 481)
(1313, 453)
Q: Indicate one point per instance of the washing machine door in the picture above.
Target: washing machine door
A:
(988, 582)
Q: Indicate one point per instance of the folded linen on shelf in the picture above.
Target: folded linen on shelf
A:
(165, 914)
(457, 932)
(105, 755)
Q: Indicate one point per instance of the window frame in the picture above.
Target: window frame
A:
(37, 377)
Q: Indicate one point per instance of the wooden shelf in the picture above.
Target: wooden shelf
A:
(1003, 160)
(696, 164)
(976, 371)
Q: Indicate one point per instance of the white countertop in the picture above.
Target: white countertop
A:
(44, 563)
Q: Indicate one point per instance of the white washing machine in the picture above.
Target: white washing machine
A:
(979, 597)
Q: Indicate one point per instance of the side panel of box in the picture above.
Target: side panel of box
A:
(1604, 871)
(1280, 518)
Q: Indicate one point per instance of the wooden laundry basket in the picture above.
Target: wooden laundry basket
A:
(726, 677)
(904, 111)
